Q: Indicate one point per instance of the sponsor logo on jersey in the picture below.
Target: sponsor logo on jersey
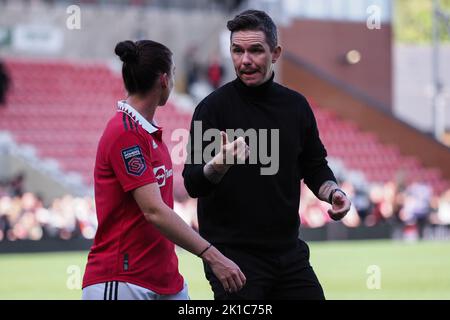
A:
(161, 174)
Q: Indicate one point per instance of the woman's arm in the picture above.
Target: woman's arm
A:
(175, 229)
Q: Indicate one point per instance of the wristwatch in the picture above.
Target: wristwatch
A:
(330, 198)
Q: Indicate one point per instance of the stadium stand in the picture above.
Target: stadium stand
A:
(49, 96)
(61, 108)
(364, 152)
(80, 98)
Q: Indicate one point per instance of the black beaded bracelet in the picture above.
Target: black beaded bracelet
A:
(200, 255)
(330, 199)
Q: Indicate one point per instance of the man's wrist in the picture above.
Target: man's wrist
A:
(330, 199)
(220, 168)
(214, 172)
(326, 189)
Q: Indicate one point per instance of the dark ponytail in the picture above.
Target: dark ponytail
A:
(143, 62)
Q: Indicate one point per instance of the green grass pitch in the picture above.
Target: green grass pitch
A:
(345, 269)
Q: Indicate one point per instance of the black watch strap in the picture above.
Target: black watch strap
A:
(330, 198)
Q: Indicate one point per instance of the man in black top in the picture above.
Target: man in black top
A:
(248, 201)
(4, 84)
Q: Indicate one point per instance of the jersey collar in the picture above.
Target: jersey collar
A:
(123, 106)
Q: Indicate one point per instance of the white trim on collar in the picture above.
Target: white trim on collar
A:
(123, 106)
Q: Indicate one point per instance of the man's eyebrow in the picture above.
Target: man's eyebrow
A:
(253, 46)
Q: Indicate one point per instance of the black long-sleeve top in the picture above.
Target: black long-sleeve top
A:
(246, 208)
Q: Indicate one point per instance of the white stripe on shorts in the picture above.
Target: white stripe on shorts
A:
(115, 290)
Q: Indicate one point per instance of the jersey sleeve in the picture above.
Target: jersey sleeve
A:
(130, 160)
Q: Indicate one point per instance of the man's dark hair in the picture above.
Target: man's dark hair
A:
(255, 20)
(143, 61)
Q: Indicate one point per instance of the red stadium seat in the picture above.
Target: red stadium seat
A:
(61, 109)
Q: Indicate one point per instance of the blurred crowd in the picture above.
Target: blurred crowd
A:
(408, 208)
(202, 79)
(23, 215)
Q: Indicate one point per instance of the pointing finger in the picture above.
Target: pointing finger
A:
(224, 138)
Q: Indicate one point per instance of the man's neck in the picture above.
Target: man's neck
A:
(260, 86)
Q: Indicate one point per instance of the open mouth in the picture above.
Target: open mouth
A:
(249, 72)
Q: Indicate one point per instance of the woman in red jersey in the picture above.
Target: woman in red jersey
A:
(133, 255)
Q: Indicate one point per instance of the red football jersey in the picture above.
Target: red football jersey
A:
(127, 247)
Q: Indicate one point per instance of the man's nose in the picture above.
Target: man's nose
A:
(246, 60)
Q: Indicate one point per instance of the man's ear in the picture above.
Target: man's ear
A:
(164, 80)
(276, 54)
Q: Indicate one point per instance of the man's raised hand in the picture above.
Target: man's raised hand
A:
(231, 153)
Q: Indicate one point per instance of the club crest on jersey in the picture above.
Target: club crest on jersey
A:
(134, 161)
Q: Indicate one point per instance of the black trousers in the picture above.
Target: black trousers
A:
(285, 275)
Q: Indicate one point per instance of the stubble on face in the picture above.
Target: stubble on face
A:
(252, 57)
